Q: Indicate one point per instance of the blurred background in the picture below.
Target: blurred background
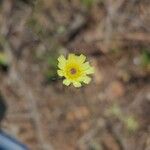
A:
(113, 111)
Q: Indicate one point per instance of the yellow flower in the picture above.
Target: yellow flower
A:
(74, 69)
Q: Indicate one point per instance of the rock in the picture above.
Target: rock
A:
(109, 142)
(116, 89)
(79, 113)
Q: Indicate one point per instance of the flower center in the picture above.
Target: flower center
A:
(73, 71)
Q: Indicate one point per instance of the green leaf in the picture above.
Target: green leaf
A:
(3, 58)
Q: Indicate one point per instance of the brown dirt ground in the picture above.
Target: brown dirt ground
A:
(111, 113)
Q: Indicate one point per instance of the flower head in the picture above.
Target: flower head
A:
(74, 69)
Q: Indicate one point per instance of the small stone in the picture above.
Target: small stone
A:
(116, 89)
(109, 142)
(84, 126)
(98, 77)
(78, 114)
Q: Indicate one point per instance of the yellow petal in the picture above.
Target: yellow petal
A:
(61, 58)
(61, 65)
(90, 70)
(62, 62)
(86, 65)
(86, 80)
(77, 84)
(81, 58)
(66, 82)
(60, 73)
(72, 57)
